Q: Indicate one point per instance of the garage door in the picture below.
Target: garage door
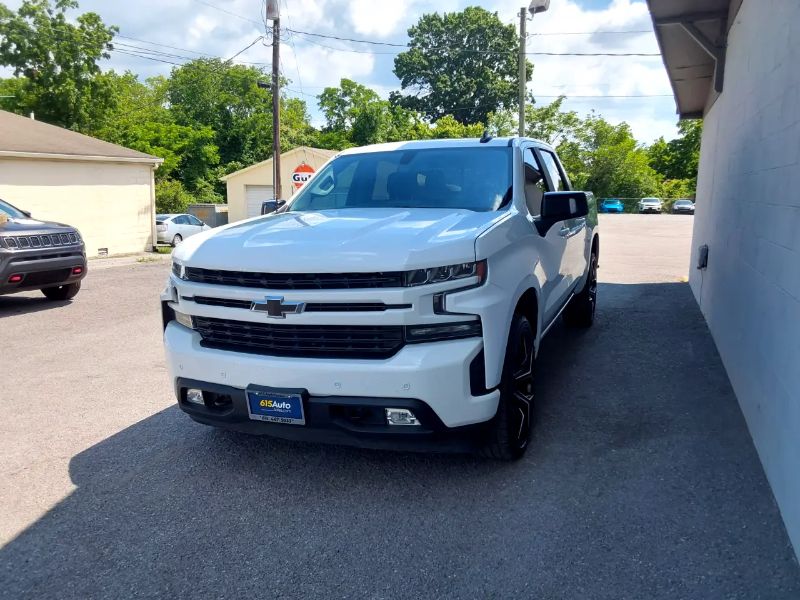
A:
(255, 195)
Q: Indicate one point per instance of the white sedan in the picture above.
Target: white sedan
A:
(173, 229)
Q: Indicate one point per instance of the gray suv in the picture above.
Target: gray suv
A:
(37, 255)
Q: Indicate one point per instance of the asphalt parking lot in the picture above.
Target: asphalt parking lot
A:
(641, 480)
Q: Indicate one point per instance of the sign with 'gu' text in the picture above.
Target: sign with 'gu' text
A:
(302, 174)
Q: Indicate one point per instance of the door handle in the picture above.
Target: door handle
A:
(564, 231)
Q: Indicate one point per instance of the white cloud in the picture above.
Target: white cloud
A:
(572, 76)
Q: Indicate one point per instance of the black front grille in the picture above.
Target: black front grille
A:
(309, 307)
(314, 341)
(296, 281)
(47, 240)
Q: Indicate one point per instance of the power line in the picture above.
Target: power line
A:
(633, 31)
(246, 48)
(461, 50)
(127, 37)
(228, 12)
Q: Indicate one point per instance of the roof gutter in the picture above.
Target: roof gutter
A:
(147, 160)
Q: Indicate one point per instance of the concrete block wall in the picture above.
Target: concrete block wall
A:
(748, 212)
(109, 203)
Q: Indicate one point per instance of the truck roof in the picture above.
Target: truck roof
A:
(443, 143)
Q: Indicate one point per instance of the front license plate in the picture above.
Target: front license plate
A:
(276, 407)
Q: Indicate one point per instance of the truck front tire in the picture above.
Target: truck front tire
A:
(510, 430)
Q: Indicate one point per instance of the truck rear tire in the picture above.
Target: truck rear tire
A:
(581, 309)
(510, 430)
(62, 292)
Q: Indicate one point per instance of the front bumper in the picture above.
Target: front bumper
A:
(40, 269)
(342, 420)
(437, 375)
(649, 209)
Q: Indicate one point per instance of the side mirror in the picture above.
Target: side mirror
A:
(560, 206)
(270, 206)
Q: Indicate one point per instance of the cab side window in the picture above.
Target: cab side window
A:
(535, 185)
(552, 168)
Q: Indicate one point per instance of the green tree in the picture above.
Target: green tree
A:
(342, 105)
(226, 97)
(548, 123)
(355, 116)
(56, 59)
(678, 158)
(607, 160)
(449, 127)
(462, 64)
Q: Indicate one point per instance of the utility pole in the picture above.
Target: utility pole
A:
(536, 6)
(273, 13)
(523, 18)
(276, 107)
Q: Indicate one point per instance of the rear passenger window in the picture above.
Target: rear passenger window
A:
(535, 185)
(552, 168)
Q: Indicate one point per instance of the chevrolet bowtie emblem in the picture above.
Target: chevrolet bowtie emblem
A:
(276, 308)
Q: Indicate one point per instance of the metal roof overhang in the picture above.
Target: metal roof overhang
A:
(692, 35)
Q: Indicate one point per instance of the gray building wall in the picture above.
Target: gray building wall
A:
(748, 212)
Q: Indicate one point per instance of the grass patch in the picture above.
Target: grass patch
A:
(163, 250)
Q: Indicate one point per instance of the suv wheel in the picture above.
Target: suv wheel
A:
(176, 241)
(62, 292)
(581, 309)
(511, 427)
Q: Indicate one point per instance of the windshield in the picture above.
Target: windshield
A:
(12, 212)
(684, 203)
(651, 200)
(162, 217)
(476, 179)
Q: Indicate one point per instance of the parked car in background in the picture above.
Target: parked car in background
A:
(683, 206)
(612, 205)
(173, 229)
(650, 205)
(39, 255)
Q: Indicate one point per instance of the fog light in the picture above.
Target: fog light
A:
(194, 396)
(401, 416)
(184, 319)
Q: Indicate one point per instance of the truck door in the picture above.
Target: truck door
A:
(553, 246)
(573, 230)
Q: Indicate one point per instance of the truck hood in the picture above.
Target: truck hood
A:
(358, 240)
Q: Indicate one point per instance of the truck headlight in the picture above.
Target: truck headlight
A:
(179, 270)
(447, 273)
(443, 331)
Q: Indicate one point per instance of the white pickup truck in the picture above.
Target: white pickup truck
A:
(398, 301)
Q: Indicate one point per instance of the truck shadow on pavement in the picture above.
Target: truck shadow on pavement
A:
(641, 482)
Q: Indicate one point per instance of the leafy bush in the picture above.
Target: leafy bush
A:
(171, 197)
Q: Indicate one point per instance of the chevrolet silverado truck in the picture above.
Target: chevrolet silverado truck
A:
(398, 301)
(38, 255)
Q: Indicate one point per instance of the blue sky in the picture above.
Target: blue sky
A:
(224, 27)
